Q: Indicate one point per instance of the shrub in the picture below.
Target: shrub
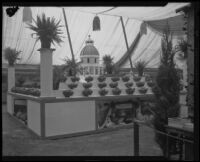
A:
(140, 66)
(75, 78)
(26, 91)
(115, 79)
(103, 92)
(129, 84)
(113, 84)
(130, 90)
(102, 85)
(125, 78)
(143, 90)
(72, 85)
(150, 84)
(87, 92)
(136, 78)
(68, 93)
(116, 91)
(63, 79)
(87, 85)
(140, 84)
(89, 79)
(101, 78)
(21, 80)
(148, 78)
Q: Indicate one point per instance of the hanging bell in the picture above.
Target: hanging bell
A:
(96, 23)
(27, 15)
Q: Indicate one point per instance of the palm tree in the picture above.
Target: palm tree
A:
(108, 63)
(11, 55)
(71, 66)
(140, 66)
(47, 31)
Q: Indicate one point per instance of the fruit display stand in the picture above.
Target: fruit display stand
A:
(60, 116)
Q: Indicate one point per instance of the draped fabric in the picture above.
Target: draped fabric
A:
(109, 40)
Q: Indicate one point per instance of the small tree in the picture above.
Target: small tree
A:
(108, 64)
(140, 65)
(71, 66)
(11, 55)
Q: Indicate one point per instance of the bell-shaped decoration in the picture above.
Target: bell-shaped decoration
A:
(27, 15)
(96, 23)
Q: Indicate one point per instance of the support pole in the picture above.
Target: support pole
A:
(125, 37)
(69, 38)
(136, 132)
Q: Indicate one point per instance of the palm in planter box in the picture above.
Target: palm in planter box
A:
(140, 66)
(72, 85)
(87, 92)
(130, 90)
(103, 92)
(68, 93)
(129, 84)
(102, 85)
(87, 85)
(125, 78)
(113, 84)
(89, 79)
(140, 84)
(101, 78)
(116, 91)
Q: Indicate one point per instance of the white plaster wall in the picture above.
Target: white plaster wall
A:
(69, 117)
(33, 116)
(10, 104)
(11, 77)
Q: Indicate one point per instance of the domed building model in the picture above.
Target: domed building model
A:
(90, 59)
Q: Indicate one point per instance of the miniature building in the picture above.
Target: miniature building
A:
(90, 59)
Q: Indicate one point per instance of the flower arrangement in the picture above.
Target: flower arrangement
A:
(125, 78)
(72, 85)
(136, 78)
(150, 84)
(89, 79)
(113, 84)
(102, 85)
(103, 92)
(129, 84)
(75, 78)
(87, 92)
(101, 78)
(116, 91)
(68, 93)
(143, 90)
(130, 90)
(140, 84)
(87, 85)
(115, 79)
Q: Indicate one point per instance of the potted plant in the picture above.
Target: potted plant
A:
(140, 84)
(11, 55)
(89, 79)
(129, 84)
(75, 78)
(101, 78)
(68, 93)
(87, 85)
(150, 84)
(140, 66)
(136, 78)
(125, 78)
(102, 85)
(108, 64)
(87, 92)
(103, 92)
(115, 79)
(143, 90)
(113, 84)
(72, 85)
(116, 91)
(130, 90)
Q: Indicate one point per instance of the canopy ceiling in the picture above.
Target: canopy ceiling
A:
(109, 40)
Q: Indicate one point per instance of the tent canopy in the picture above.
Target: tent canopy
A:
(109, 40)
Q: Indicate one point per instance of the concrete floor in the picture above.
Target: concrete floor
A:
(18, 141)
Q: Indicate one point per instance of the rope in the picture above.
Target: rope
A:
(106, 10)
(166, 134)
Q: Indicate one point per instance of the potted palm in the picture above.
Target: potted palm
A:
(48, 31)
(11, 55)
(140, 66)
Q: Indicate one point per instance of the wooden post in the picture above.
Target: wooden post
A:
(125, 37)
(69, 38)
(136, 132)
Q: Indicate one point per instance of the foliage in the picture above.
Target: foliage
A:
(125, 78)
(108, 64)
(148, 78)
(47, 30)
(136, 78)
(103, 92)
(130, 90)
(68, 93)
(183, 47)
(116, 91)
(75, 78)
(89, 79)
(102, 85)
(150, 84)
(129, 84)
(115, 79)
(11, 55)
(140, 84)
(71, 67)
(26, 91)
(140, 66)
(58, 76)
(87, 85)
(20, 81)
(143, 90)
(101, 78)
(113, 84)
(87, 92)
(72, 85)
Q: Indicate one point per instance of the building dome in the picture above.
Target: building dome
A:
(89, 48)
